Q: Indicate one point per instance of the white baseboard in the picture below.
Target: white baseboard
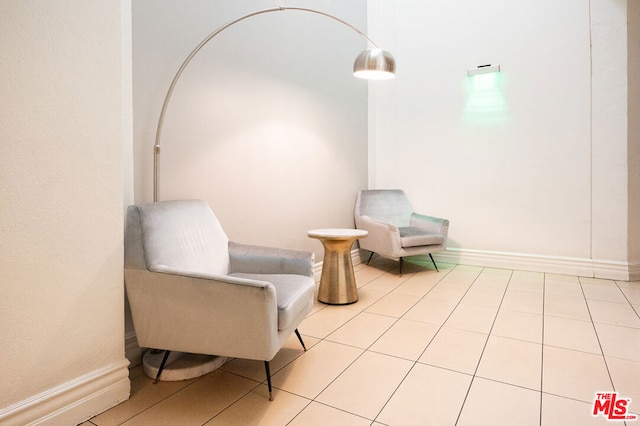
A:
(73, 402)
(132, 351)
(606, 269)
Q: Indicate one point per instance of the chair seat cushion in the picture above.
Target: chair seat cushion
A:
(411, 236)
(294, 294)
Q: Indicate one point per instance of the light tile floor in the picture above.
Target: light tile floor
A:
(463, 346)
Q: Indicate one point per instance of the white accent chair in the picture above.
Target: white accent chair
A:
(192, 290)
(395, 230)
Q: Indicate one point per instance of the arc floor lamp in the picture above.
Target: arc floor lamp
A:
(373, 64)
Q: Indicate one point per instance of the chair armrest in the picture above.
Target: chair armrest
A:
(383, 238)
(269, 260)
(202, 313)
(429, 223)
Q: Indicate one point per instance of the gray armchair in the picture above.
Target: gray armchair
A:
(192, 290)
(395, 230)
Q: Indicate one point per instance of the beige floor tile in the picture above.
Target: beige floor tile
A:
(628, 284)
(365, 387)
(419, 284)
(613, 313)
(321, 415)
(410, 267)
(626, 379)
(199, 402)
(619, 342)
(254, 370)
(428, 396)
(563, 285)
(523, 283)
(560, 411)
(144, 394)
(528, 275)
(486, 296)
(367, 296)
(472, 318)
(455, 349)
(432, 311)
(602, 282)
(632, 294)
(558, 277)
(255, 409)
(326, 321)
(393, 305)
(518, 325)
(522, 301)
(571, 334)
(512, 361)
(458, 280)
(425, 262)
(494, 275)
(494, 403)
(606, 292)
(449, 293)
(310, 373)
(250, 368)
(386, 282)
(573, 374)
(566, 307)
(469, 268)
(406, 339)
(365, 274)
(362, 330)
(491, 282)
(487, 270)
(317, 305)
(450, 282)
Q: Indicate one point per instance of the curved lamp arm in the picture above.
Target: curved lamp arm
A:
(370, 64)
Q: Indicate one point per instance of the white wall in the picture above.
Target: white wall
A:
(531, 170)
(633, 96)
(609, 171)
(267, 122)
(64, 100)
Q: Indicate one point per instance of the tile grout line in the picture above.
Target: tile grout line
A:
(431, 340)
(627, 299)
(595, 330)
(196, 380)
(314, 399)
(486, 342)
(374, 420)
(544, 302)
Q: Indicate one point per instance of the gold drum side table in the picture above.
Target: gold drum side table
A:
(338, 281)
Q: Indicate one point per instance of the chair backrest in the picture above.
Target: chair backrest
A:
(183, 234)
(387, 205)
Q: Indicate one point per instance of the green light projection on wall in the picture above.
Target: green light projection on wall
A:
(486, 103)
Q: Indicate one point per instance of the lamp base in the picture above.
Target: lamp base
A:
(180, 365)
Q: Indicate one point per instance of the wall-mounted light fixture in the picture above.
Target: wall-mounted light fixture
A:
(372, 64)
(486, 102)
(483, 69)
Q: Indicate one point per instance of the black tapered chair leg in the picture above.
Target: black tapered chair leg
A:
(370, 256)
(268, 371)
(164, 361)
(301, 341)
(434, 262)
